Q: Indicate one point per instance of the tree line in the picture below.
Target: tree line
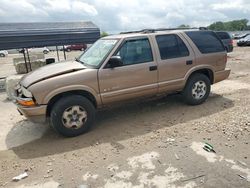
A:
(235, 25)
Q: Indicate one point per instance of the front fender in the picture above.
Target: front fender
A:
(57, 91)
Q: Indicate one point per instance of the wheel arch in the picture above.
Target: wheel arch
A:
(208, 71)
(58, 96)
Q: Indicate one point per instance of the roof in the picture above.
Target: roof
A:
(146, 32)
(39, 34)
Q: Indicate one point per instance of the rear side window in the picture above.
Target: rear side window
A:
(223, 35)
(171, 46)
(206, 41)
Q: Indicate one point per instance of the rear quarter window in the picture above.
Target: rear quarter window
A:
(206, 41)
(223, 35)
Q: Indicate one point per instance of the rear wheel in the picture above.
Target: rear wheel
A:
(68, 50)
(72, 115)
(2, 55)
(197, 89)
(45, 51)
(82, 49)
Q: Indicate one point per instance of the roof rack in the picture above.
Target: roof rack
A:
(163, 29)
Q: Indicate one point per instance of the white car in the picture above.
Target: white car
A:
(3, 53)
(53, 48)
(44, 50)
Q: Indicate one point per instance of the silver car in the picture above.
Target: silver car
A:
(3, 53)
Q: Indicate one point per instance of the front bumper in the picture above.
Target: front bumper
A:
(221, 75)
(35, 114)
(28, 107)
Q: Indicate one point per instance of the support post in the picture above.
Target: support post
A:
(64, 53)
(57, 54)
(24, 56)
(29, 59)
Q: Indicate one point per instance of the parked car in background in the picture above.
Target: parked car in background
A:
(44, 50)
(241, 36)
(226, 39)
(244, 41)
(53, 48)
(3, 53)
(119, 68)
(81, 47)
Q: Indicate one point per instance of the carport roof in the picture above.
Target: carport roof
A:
(40, 34)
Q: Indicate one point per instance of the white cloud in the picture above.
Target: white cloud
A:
(57, 5)
(232, 5)
(120, 15)
(81, 7)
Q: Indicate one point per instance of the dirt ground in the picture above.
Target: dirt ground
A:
(152, 143)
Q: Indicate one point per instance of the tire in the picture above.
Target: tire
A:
(45, 52)
(60, 110)
(2, 55)
(82, 49)
(197, 89)
(68, 50)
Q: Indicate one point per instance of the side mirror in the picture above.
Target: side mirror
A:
(115, 61)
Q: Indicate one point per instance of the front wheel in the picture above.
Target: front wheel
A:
(2, 55)
(72, 115)
(197, 89)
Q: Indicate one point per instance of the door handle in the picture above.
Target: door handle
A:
(153, 68)
(189, 62)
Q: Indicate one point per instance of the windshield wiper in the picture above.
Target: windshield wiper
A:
(78, 60)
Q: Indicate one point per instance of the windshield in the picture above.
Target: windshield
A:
(97, 52)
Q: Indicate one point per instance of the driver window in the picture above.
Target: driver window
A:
(135, 51)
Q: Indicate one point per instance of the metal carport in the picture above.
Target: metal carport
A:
(40, 34)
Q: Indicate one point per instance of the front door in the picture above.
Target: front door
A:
(136, 77)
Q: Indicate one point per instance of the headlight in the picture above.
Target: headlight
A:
(25, 92)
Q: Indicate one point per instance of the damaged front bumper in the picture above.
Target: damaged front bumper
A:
(28, 107)
(35, 114)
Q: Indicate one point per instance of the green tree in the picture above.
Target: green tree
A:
(218, 26)
(104, 34)
(235, 25)
(248, 28)
(184, 26)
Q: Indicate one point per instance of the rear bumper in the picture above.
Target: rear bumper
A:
(221, 75)
(35, 114)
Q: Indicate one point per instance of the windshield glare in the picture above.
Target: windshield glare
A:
(97, 52)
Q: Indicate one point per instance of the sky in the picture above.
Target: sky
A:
(115, 16)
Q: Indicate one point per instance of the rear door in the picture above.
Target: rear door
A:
(175, 59)
(136, 77)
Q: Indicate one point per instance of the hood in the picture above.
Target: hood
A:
(50, 71)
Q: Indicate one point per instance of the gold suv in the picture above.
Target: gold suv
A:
(119, 68)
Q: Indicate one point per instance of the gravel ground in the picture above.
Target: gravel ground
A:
(152, 143)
